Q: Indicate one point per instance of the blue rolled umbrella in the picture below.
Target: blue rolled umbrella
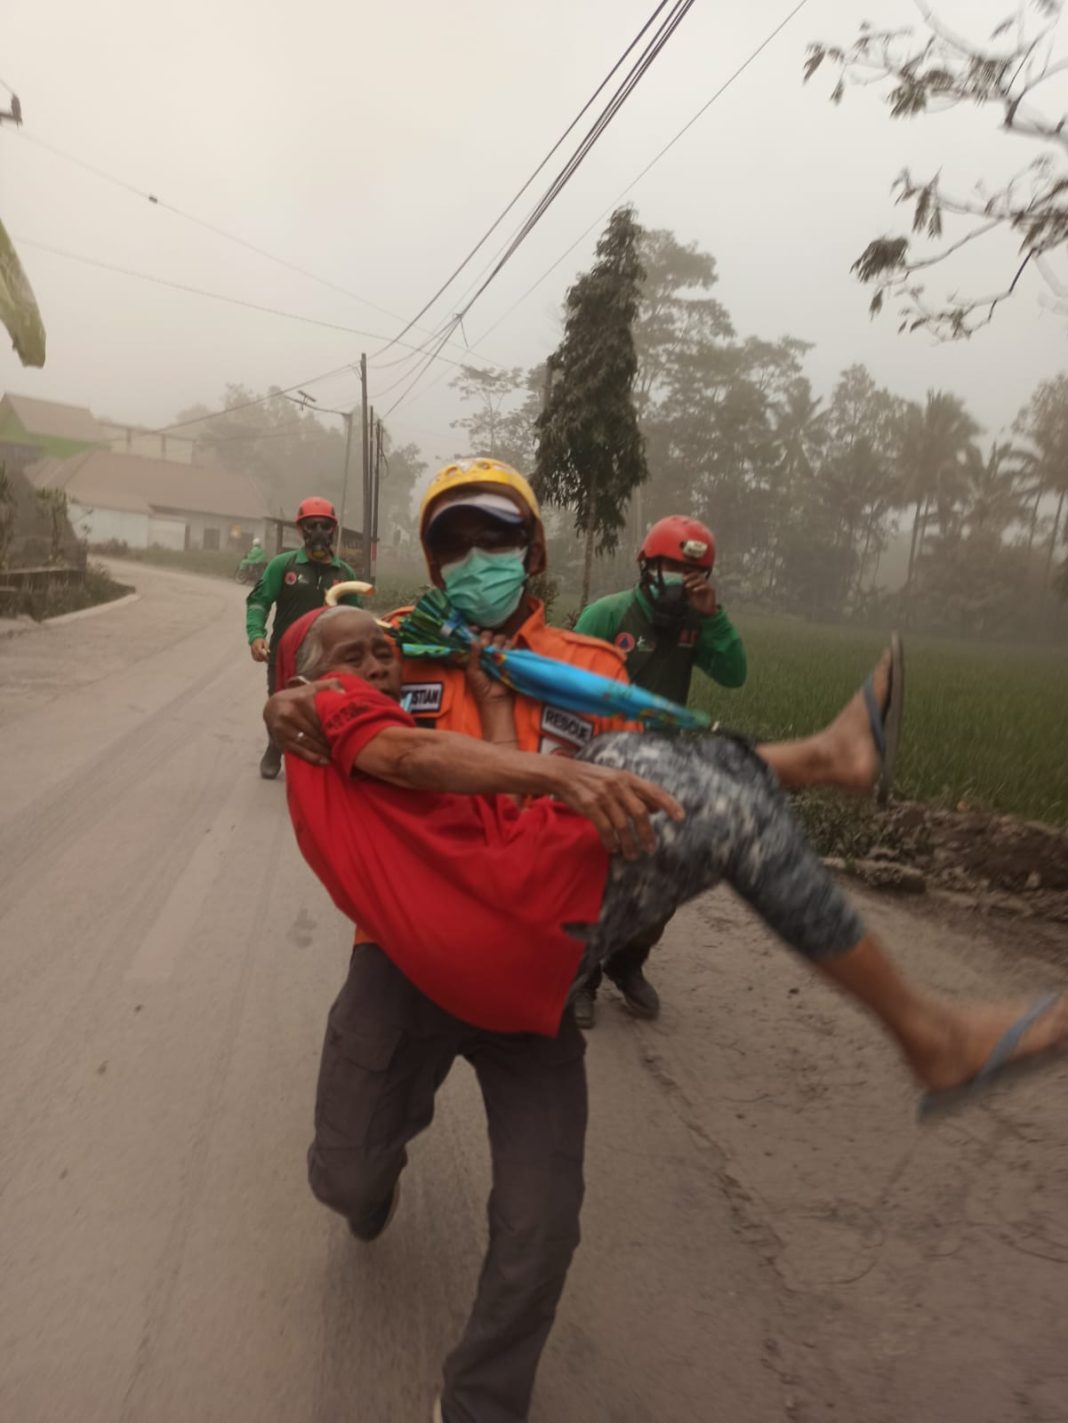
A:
(433, 629)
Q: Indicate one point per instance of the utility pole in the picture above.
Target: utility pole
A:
(366, 465)
(376, 481)
(371, 496)
(345, 478)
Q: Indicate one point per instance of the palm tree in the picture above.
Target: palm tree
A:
(800, 432)
(992, 498)
(935, 438)
(1044, 420)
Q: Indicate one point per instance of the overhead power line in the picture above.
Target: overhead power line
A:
(622, 92)
(215, 296)
(511, 204)
(284, 432)
(616, 103)
(649, 166)
(211, 227)
(634, 182)
(248, 404)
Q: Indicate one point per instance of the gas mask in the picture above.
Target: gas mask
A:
(319, 535)
(666, 593)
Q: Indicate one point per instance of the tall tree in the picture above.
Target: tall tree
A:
(677, 316)
(857, 472)
(992, 494)
(290, 452)
(934, 441)
(591, 455)
(504, 407)
(938, 69)
(1044, 421)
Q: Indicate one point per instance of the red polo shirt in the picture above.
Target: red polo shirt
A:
(468, 895)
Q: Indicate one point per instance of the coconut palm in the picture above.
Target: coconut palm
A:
(1044, 420)
(992, 492)
(935, 439)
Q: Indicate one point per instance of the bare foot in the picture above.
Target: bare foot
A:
(853, 761)
(953, 1041)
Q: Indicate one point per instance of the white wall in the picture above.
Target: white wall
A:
(167, 533)
(127, 441)
(103, 525)
(232, 534)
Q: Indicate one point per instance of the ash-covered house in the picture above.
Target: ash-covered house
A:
(32, 429)
(145, 502)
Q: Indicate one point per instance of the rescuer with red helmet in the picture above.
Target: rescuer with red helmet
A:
(667, 625)
(293, 584)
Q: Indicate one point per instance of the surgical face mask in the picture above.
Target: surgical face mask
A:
(485, 588)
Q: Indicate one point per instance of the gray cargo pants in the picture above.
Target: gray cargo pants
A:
(388, 1049)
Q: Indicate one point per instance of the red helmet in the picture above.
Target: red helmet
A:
(684, 540)
(316, 508)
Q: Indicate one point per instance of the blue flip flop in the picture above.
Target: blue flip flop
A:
(997, 1068)
(886, 722)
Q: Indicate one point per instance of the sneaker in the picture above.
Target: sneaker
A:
(375, 1222)
(639, 995)
(583, 1006)
(271, 763)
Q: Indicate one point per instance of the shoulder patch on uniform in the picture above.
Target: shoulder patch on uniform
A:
(422, 697)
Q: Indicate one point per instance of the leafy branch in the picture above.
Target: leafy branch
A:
(940, 70)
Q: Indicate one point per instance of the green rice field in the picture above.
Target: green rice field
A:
(984, 723)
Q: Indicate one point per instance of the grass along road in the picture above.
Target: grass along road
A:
(985, 723)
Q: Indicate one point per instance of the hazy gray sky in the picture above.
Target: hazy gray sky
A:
(373, 143)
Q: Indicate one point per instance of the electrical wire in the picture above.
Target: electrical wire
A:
(736, 74)
(249, 404)
(215, 296)
(648, 167)
(619, 98)
(436, 341)
(511, 204)
(284, 433)
(432, 356)
(623, 91)
(211, 227)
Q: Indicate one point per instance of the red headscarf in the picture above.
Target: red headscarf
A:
(294, 635)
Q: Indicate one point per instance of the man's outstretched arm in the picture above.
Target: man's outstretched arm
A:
(616, 802)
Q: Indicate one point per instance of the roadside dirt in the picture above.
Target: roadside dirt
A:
(995, 864)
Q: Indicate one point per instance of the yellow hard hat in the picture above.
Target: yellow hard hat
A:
(477, 471)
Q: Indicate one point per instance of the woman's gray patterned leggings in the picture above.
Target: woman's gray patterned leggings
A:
(738, 827)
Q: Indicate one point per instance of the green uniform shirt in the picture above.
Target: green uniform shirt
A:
(662, 659)
(254, 556)
(293, 584)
